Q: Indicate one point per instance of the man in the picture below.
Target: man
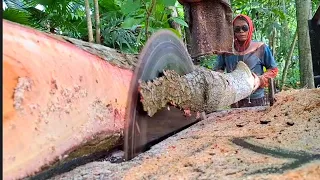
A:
(256, 55)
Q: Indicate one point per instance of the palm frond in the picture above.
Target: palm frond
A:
(15, 4)
(16, 15)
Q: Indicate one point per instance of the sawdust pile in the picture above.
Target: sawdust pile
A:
(206, 151)
(281, 142)
(296, 105)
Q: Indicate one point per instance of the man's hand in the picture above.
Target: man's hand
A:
(257, 82)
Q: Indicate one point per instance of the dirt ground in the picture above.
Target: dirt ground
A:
(280, 142)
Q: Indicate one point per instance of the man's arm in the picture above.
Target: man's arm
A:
(271, 66)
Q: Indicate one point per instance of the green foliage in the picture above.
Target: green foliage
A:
(180, 21)
(130, 6)
(109, 5)
(293, 79)
(16, 15)
(127, 29)
(116, 36)
(125, 24)
(167, 2)
(208, 61)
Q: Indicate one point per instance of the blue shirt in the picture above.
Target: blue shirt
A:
(256, 60)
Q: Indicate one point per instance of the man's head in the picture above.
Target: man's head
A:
(243, 29)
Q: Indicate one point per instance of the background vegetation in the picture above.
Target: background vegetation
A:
(126, 24)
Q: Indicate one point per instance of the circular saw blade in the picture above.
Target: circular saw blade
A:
(163, 51)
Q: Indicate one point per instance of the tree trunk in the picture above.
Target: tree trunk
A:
(274, 42)
(59, 101)
(97, 20)
(188, 33)
(149, 13)
(285, 33)
(305, 58)
(200, 90)
(286, 29)
(174, 13)
(186, 9)
(89, 22)
(210, 27)
(288, 60)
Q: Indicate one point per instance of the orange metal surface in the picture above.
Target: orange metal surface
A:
(55, 96)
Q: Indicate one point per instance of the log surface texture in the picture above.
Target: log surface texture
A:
(56, 98)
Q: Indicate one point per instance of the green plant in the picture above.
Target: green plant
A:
(117, 37)
(208, 61)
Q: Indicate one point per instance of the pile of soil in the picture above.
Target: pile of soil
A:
(280, 142)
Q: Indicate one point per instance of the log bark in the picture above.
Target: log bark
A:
(60, 102)
(201, 90)
(113, 56)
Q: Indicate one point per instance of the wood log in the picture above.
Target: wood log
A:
(64, 98)
(200, 90)
(59, 101)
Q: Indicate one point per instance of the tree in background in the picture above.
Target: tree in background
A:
(124, 24)
(288, 60)
(89, 23)
(305, 58)
(97, 20)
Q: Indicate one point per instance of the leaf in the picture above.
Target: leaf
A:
(109, 5)
(16, 15)
(130, 22)
(167, 2)
(45, 2)
(15, 4)
(180, 21)
(276, 25)
(130, 6)
(175, 32)
(255, 4)
(279, 13)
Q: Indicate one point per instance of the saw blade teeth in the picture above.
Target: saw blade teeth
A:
(149, 83)
(163, 51)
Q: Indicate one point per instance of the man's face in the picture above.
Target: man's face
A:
(241, 30)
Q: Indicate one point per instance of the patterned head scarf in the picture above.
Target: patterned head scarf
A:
(246, 44)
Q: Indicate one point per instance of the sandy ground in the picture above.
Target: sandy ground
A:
(281, 142)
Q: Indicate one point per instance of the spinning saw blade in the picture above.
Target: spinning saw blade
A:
(163, 51)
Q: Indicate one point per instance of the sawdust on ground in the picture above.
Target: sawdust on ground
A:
(282, 142)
